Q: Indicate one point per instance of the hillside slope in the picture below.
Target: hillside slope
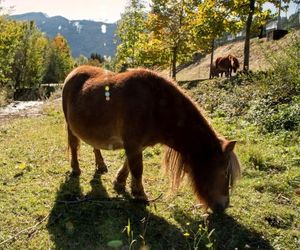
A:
(260, 49)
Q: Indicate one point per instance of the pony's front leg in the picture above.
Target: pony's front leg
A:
(100, 165)
(120, 181)
(135, 164)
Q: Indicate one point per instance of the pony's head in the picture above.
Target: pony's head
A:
(214, 183)
(212, 177)
(234, 63)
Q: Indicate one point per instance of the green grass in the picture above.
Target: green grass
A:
(34, 180)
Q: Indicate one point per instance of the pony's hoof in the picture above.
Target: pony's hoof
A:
(102, 169)
(119, 187)
(75, 173)
(140, 196)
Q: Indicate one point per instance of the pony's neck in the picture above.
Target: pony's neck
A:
(196, 140)
(192, 134)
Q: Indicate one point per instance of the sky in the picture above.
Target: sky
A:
(98, 10)
(292, 9)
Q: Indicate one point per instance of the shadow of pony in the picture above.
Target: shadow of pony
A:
(227, 232)
(92, 221)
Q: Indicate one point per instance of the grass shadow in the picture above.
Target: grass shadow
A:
(191, 83)
(227, 232)
(99, 219)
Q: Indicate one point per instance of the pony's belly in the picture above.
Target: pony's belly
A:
(101, 137)
(111, 143)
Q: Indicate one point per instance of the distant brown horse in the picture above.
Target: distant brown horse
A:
(139, 108)
(227, 65)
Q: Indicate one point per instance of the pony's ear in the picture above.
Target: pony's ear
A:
(228, 146)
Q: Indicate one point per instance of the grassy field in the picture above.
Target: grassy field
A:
(41, 207)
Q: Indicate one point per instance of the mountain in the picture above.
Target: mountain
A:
(84, 36)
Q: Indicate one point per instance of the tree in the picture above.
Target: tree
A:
(169, 25)
(98, 57)
(10, 37)
(96, 60)
(60, 61)
(81, 60)
(29, 61)
(129, 29)
(247, 37)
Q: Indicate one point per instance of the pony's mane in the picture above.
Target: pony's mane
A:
(234, 168)
(177, 167)
(174, 165)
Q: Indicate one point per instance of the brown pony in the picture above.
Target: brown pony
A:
(227, 65)
(139, 108)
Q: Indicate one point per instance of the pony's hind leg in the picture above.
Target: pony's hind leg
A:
(100, 165)
(135, 165)
(73, 143)
(120, 181)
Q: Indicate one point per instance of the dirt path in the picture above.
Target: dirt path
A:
(21, 109)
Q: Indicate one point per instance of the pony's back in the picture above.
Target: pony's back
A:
(142, 104)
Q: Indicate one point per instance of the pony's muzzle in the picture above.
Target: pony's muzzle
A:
(221, 205)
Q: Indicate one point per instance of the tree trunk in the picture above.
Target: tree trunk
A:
(279, 16)
(247, 38)
(174, 60)
(212, 58)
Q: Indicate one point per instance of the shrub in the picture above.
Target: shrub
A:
(5, 95)
(287, 117)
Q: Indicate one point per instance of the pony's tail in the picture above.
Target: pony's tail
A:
(175, 167)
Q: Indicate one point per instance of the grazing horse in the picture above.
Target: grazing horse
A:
(227, 65)
(139, 108)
